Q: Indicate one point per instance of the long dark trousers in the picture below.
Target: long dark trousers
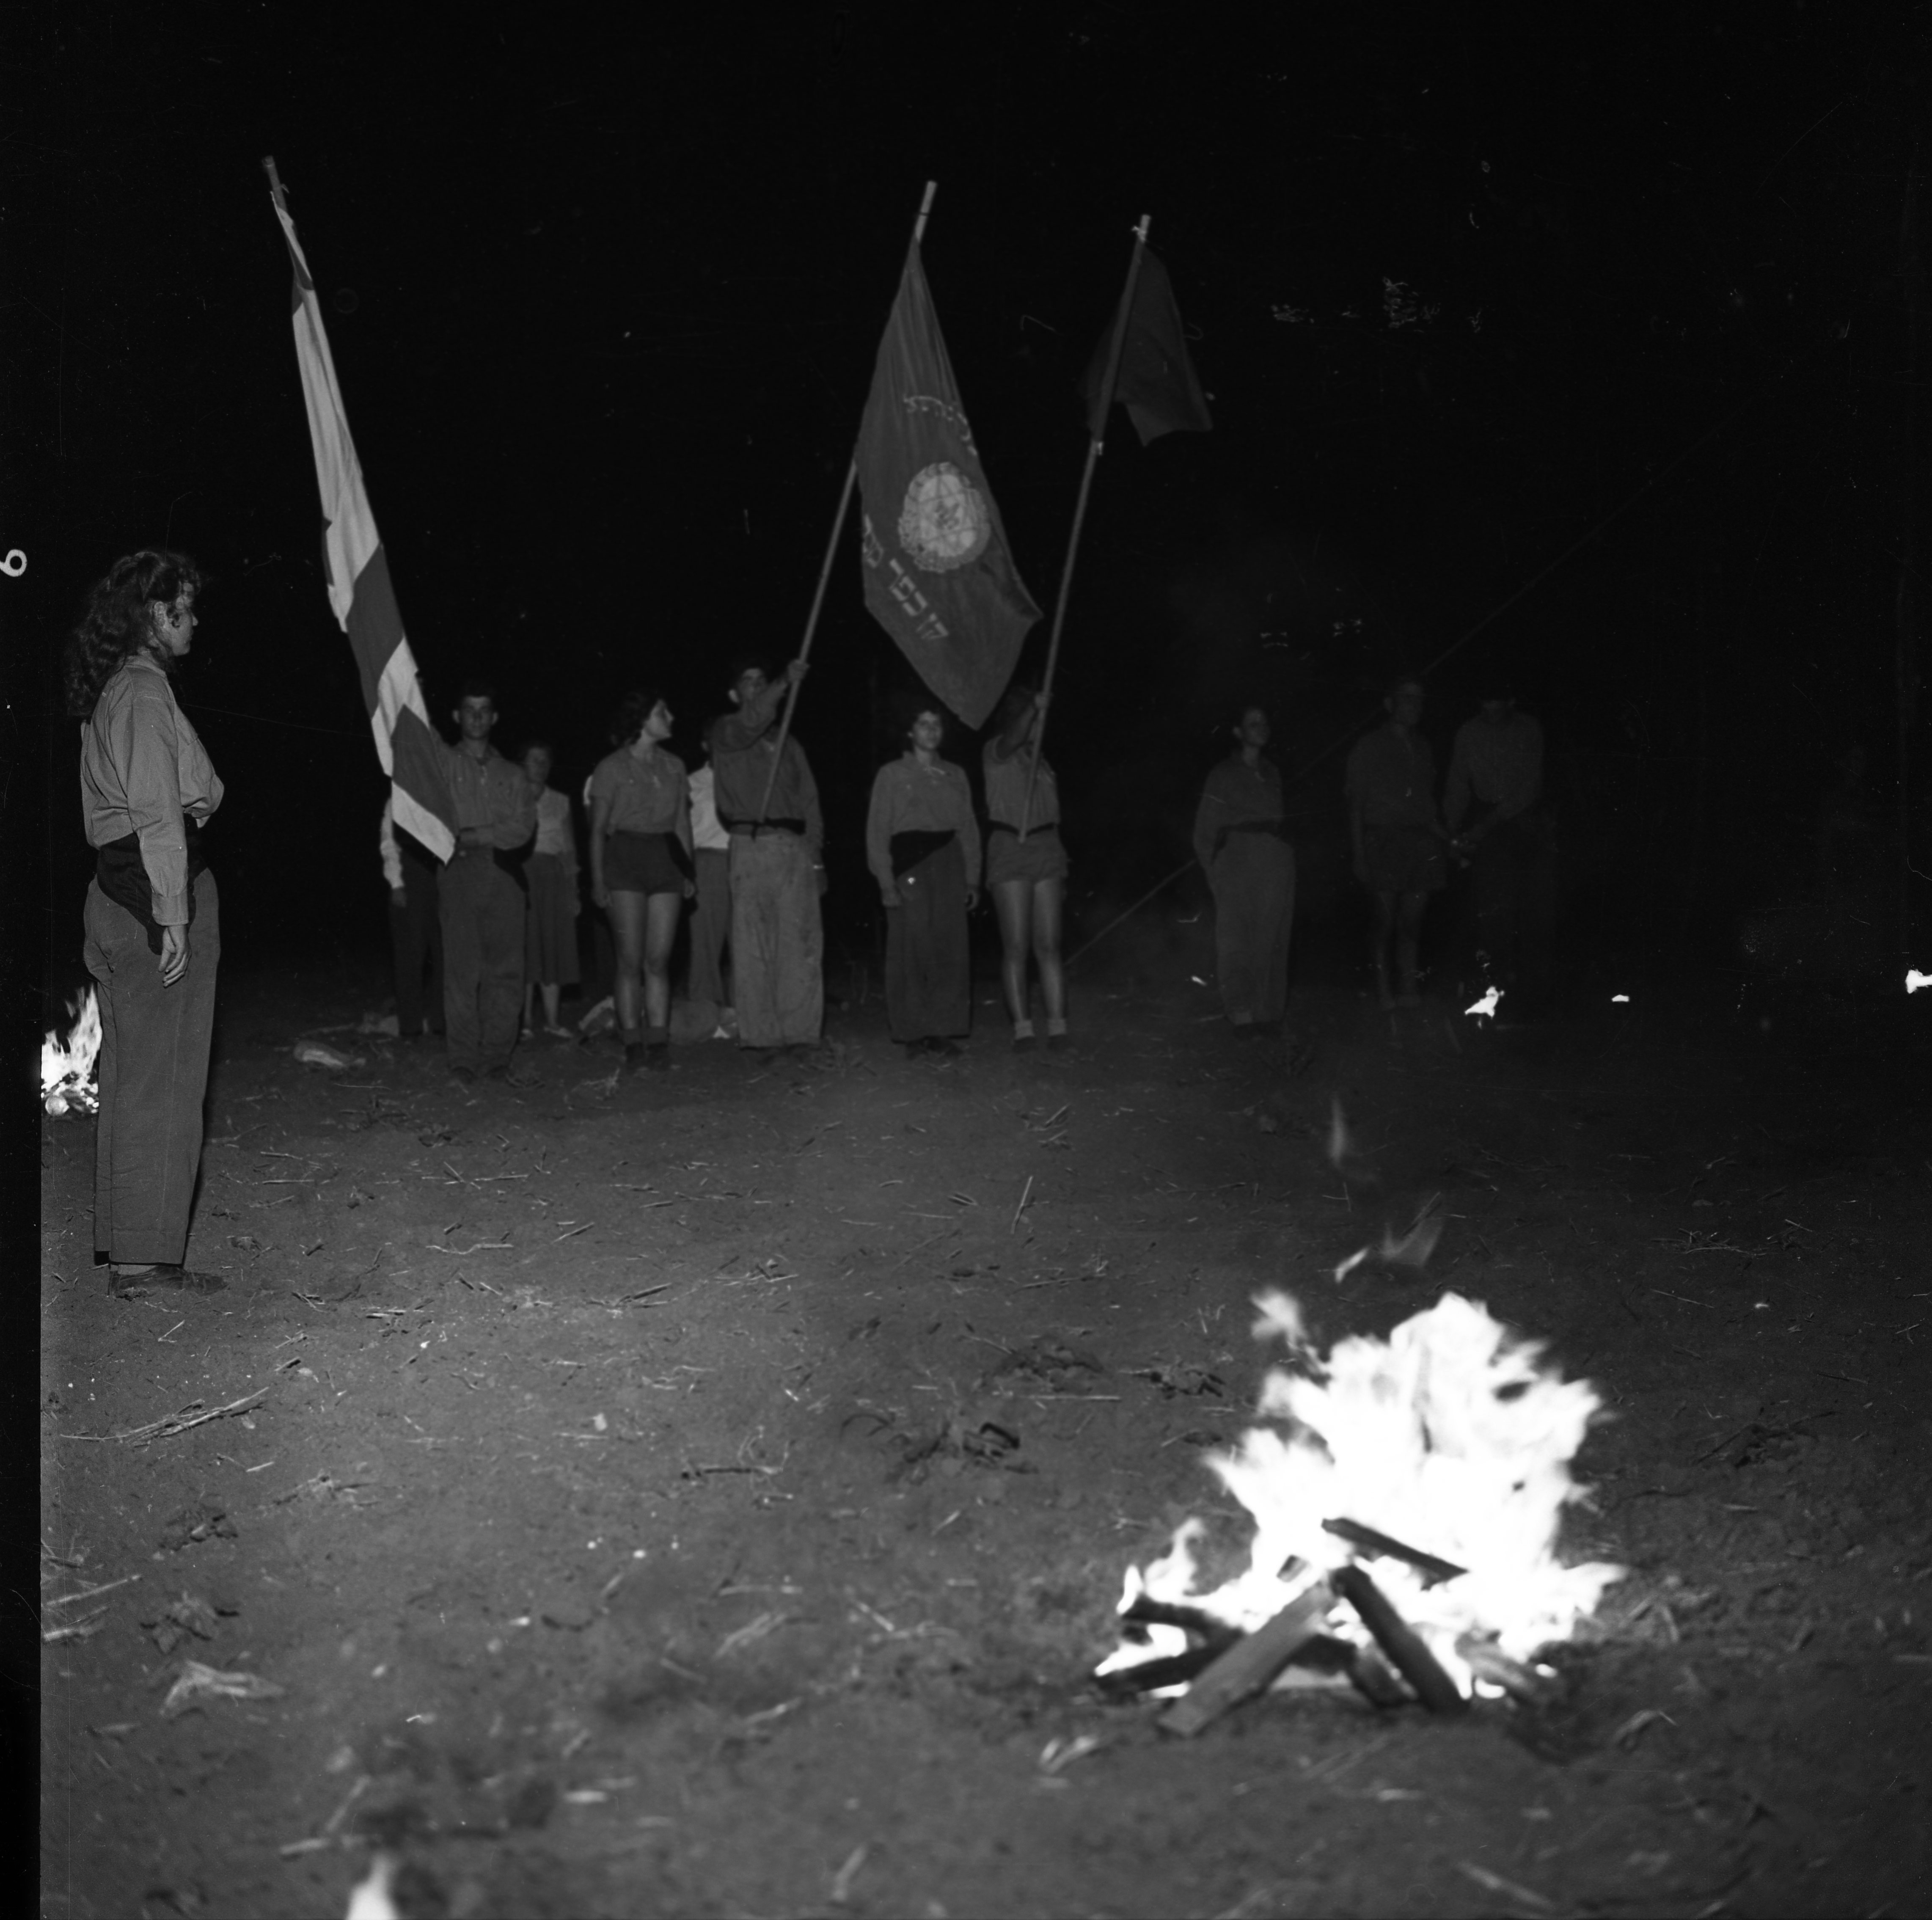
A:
(928, 965)
(153, 1076)
(1253, 879)
(1513, 879)
(415, 939)
(482, 960)
(777, 941)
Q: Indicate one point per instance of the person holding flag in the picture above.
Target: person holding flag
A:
(768, 801)
(482, 894)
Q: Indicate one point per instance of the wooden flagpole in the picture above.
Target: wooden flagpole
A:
(825, 571)
(1099, 434)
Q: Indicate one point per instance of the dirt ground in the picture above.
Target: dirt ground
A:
(708, 1494)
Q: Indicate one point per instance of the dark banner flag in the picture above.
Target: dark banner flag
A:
(938, 577)
(1156, 382)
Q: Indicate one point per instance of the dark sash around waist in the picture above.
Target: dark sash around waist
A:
(916, 843)
(1275, 830)
(123, 877)
(733, 825)
(1001, 826)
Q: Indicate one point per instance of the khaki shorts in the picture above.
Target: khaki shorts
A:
(1038, 857)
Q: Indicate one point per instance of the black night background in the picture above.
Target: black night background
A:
(604, 308)
(1583, 347)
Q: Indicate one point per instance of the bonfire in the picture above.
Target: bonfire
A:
(67, 1071)
(1406, 1501)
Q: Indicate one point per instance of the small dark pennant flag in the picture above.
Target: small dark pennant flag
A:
(410, 751)
(938, 577)
(1156, 382)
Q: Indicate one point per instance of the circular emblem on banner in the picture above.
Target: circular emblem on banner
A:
(945, 521)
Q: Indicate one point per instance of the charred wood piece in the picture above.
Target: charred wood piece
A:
(1434, 1571)
(1399, 1640)
(1123, 1683)
(1375, 1679)
(1245, 1669)
(1210, 1627)
(1488, 1661)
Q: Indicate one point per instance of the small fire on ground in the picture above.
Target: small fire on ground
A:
(67, 1071)
(1411, 1486)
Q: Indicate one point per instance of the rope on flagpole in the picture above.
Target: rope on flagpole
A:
(1114, 349)
(825, 570)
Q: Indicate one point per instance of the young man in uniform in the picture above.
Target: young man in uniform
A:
(1397, 838)
(777, 863)
(1496, 771)
(481, 893)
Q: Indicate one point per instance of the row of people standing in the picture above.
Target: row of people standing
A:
(1490, 817)
(924, 847)
(1401, 840)
(742, 841)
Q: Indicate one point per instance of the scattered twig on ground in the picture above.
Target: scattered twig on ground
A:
(196, 1679)
(841, 1881)
(190, 1415)
(89, 1593)
(1024, 1197)
(1495, 1883)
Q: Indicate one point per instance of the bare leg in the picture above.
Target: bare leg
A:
(552, 991)
(1012, 905)
(1048, 895)
(627, 930)
(660, 934)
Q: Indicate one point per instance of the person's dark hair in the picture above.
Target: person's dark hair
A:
(743, 663)
(1394, 684)
(1015, 701)
(531, 746)
(633, 710)
(908, 704)
(1242, 708)
(117, 623)
(477, 687)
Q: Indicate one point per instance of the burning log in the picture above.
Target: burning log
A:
(1399, 1640)
(1454, 1430)
(1434, 1572)
(1152, 1676)
(1537, 1686)
(1244, 1669)
(1150, 1612)
(1375, 1680)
